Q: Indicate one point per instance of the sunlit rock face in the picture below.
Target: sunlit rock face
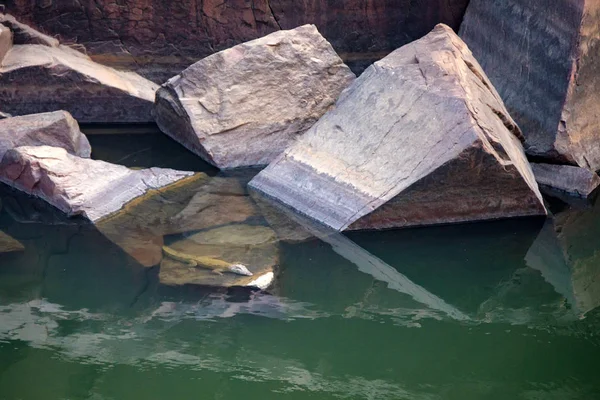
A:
(420, 138)
(57, 129)
(6, 41)
(243, 106)
(80, 186)
(544, 59)
(37, 75)
(159, 39)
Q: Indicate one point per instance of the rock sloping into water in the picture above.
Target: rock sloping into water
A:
(80, 186)
(567, 178)
(245, 105)
(545, 64)
(57, 129)
(46, 77)
(420, 138)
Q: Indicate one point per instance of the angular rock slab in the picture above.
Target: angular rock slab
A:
(544, 58)
(420, 138)
(37, 78)
(253, 246)
(56, 129)
(6, 41)
(80, 186)
(574, 180)
(245, 105)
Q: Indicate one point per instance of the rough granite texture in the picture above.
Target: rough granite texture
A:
(37, 78)
(420, 138)
(574, 180)
(543, 56)
(160, 38)
(243, 106)
(57, 129)
(79, 186)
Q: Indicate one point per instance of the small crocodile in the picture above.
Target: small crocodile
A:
(215, 265)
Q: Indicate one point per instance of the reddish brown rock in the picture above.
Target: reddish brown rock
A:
(420, 138)
(543, 56)
(160, 38)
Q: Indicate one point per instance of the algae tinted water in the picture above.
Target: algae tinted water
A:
(502, 310)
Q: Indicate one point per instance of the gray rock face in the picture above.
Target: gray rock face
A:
(6, 41)
(420, 138)
(80, 186)
(544, 59)
(574, 180)
(57, 129)
(245, 105)
(37, 78)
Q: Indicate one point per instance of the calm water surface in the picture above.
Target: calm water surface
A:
(503, 310)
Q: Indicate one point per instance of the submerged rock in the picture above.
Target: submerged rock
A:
(245, 105)
(232, 244)
(80, 186)
(545, 65)
(46, 77)
(8, 244)
(420, 138)
(57, 129)
(574, 180)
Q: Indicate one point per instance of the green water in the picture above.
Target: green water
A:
(502, 310)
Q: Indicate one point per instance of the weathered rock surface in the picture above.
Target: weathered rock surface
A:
(544, 59)
(57, 129)
(259, 255)
(24, 34)
(420, 138)
(80, 186)
(160, 39)
(245, 105)
(574, 180)
(6, 41)
(37, 78)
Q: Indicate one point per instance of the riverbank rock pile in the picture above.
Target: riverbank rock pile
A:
(243, 106)
(544, 58)
(37, 74)
(420, 138)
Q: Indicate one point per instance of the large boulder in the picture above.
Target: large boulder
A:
(544, 58)
(80, 186)
(574, 180)
(245, 105)
(37, 78)
(420, 138)
(57, 129)
(160, 38)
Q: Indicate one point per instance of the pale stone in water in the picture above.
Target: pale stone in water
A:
(9, 244)
(420, 138)
(80, 186)
(57, 129)
(235, 235)
(244, 105)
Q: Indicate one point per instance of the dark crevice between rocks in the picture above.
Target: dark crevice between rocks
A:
(273, 14)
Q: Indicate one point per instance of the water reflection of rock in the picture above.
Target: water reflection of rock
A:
(567, 253)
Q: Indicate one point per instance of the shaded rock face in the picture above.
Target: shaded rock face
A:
(37, 78)
(574, 180)
(57, 129)
(245, 105)
(420, 138)
(79, 186)
(545, 63)
(159, 39)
